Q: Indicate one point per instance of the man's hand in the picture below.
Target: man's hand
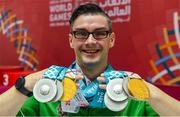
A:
(101, 79)
(31, 79)
(105, 77)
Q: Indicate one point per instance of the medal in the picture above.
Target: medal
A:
(114, 105)
(115, 97)
(45, 90)
(59, 91)
(138, 89)
(69, 90)
(115, 90)
(51, 89)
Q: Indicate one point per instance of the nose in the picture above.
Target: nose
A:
(90, 40)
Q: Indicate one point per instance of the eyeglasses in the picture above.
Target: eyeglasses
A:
(83, 35)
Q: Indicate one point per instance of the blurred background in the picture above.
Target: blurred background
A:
(34, 36)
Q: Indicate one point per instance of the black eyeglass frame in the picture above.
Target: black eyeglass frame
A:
(93, 34)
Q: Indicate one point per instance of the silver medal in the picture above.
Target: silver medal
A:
(125, 86)
(114, 105)
(45, 90)
(115, 90)
(59, 91)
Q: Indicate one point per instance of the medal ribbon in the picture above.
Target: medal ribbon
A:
(114, 74)
(93, 94)
(59, 73)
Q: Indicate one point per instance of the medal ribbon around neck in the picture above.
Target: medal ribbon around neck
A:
(89, 91)
(93, 94)
(98, 99)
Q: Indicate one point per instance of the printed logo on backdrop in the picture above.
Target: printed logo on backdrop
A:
(13, 29)
(165, 62)
(60, 10)
(118, 10)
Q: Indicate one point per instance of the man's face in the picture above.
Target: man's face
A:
(90, 50)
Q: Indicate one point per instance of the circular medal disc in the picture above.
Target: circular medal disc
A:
(44, 90)
(114, 105)
(115, 91)
(138, 89)
(69, 89)
(125, 86)
(59, 91)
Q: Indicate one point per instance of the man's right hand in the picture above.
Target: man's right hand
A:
(31, 79)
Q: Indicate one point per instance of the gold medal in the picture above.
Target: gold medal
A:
(138, 89)
(69, 87)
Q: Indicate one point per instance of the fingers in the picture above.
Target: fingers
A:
(101, 79)
(32, 78)
(102, 86)
(79, 76)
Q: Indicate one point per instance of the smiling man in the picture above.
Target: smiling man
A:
(90, 37)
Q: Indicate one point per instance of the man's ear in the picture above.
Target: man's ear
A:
(70, 40)
(112, 39)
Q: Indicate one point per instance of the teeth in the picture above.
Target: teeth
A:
(90, 51)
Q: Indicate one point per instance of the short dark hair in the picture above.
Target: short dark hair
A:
(89, 9)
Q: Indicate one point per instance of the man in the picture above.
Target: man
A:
(91, 37)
